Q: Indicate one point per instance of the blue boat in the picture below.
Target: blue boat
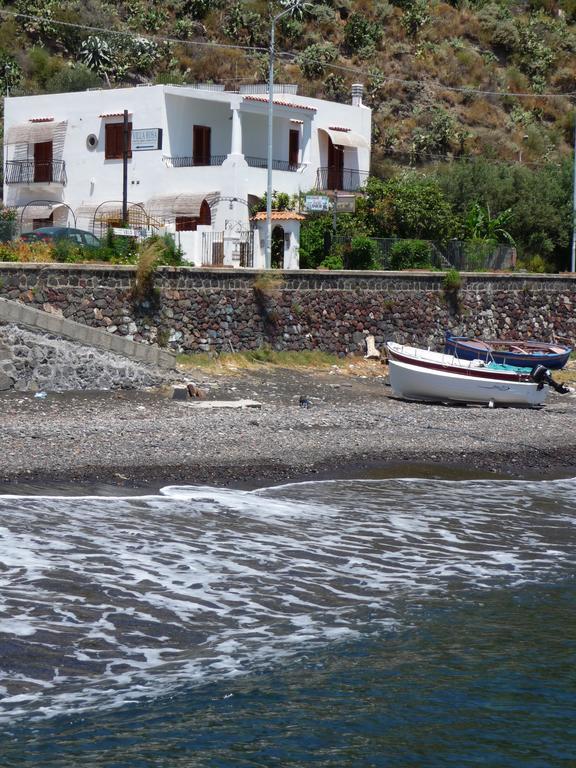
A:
(521, 354)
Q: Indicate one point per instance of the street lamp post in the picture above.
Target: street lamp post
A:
(294, 5)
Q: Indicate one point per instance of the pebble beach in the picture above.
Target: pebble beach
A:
(351, 426)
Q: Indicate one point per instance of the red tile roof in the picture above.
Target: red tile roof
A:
(279, 103)
(279, 216)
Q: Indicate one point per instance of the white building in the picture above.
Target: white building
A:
(197, 164)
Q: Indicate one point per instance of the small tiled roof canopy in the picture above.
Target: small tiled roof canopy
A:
(279, 216)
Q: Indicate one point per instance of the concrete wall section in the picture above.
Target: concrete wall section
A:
(220, 310)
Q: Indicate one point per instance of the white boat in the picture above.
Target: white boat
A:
(420, 374)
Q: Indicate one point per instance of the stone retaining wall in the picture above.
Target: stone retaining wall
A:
(196, 310)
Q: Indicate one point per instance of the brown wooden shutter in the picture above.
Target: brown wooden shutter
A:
(201, 149)
(43, 161)
(114, 141)
(293, 147)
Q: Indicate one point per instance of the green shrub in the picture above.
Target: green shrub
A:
(170, 253)
(362, 253)
(334, 260)
(535, 264)
(313, 60)
(361, 35)
(75, 78)
(410, 254)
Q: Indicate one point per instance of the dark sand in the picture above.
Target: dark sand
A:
(103, 441)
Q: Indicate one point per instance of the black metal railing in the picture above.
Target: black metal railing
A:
(30, 172)
(340, 179)
(277, 165)
(191, 162)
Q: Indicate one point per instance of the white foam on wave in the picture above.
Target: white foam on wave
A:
(125, 597)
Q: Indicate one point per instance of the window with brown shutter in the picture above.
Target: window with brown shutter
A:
(114, 141)
(293, 148)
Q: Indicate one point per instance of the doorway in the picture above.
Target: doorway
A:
(277, 250)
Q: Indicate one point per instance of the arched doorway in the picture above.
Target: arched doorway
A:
(277, 251)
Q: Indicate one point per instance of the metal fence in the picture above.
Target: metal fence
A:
(463, 255)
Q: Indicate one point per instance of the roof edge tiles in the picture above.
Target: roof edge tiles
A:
(278, 103)
(279, 216)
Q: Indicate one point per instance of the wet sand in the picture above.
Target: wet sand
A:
(101, 441)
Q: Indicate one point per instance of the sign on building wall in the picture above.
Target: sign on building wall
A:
(146, 138)
(317, 203)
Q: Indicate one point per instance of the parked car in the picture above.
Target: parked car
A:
(51, 234)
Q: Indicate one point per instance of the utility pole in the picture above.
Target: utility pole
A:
(125, 150)
(573, 254)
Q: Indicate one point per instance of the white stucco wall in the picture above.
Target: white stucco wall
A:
(91, 179)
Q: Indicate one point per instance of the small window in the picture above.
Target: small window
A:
(114, 146)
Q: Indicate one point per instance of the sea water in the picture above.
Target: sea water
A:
(396, 622)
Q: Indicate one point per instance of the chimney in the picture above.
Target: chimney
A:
(357, 91)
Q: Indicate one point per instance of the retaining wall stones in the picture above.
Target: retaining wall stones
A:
(194, 310)
(35, 361)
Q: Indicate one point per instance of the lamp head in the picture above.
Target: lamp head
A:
(294, 8)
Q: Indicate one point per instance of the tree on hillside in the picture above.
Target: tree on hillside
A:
(411, 205)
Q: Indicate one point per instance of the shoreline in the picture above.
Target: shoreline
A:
(137, 442)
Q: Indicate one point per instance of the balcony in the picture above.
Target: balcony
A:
(277, 165)
(194, 162)
(30, 172)
(340, 179)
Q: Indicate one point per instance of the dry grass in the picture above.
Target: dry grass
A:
(266, 358)
(31, 253)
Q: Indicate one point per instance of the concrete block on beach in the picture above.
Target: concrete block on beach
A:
(216, 404)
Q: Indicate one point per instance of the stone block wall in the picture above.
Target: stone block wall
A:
(194, 310)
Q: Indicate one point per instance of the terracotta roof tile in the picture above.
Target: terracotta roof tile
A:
(279, 103)
(279, 216)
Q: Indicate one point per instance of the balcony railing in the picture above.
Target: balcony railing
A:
(340, 179)
(30, 172)
(191, 162)
(277, 165)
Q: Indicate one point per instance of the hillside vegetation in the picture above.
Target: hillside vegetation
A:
(448, 82)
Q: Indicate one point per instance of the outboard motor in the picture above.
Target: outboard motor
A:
(541, 375)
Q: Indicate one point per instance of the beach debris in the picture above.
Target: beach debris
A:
(371, 352)
(196, 392)
(304, 402)
(40, 395)
(180, 393)
(217, 404)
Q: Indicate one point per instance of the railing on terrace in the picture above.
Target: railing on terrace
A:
(340, 179)
(191, 162)
(277, 165)
(30, 172)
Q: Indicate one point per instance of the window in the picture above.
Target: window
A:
(201, 145)
(90, 239)
(114, 146)
(190, 223)
(293, 148)
(186, 223)
(37, 223)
